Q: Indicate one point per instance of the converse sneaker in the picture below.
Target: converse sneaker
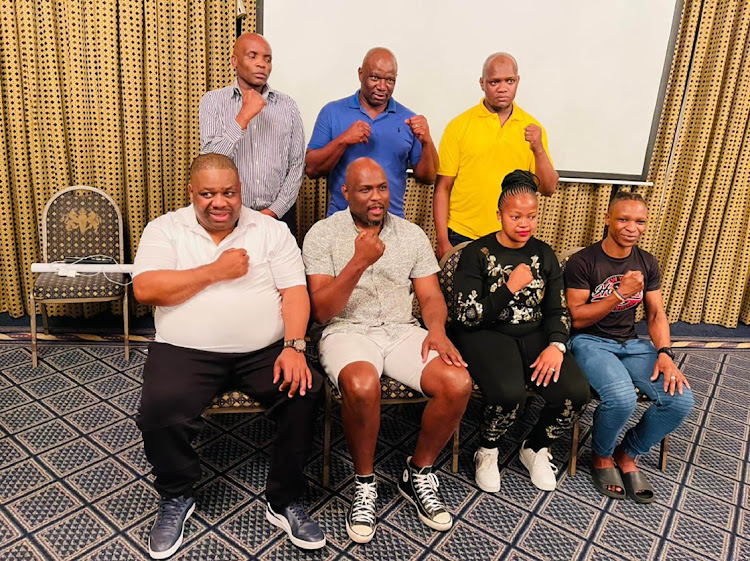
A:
(419, 486)
(361, 521)
(302, 530)
(543, 472)
(486, 472)
(166, 534)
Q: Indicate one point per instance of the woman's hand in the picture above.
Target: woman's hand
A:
(547, 366)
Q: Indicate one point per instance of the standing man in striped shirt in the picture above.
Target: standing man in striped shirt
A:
(260, 129)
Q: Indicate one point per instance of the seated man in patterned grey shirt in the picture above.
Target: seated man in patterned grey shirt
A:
(361, 264)
(260, 129)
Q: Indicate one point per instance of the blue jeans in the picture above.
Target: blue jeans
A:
(612, 369)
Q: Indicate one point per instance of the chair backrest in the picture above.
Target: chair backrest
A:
(448, 265)
(80, 221)
(565, 256)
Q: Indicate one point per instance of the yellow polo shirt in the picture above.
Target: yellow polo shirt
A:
(479, 153)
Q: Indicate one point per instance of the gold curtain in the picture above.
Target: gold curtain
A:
(102, 93)
(701, 168)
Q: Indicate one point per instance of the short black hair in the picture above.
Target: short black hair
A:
(211, 161)
(515, 183)
(621, 195)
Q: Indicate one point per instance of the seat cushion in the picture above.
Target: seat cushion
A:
(49, 286)
(233, 399)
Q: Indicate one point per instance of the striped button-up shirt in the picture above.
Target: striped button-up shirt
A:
(269, 153)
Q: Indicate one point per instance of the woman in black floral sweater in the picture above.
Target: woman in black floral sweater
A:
(512, 326)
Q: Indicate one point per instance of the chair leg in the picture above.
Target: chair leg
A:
(663, 451)
(327, 436)
(126, 326)
(32, 314)
(454, 460)
(45, 319)
(573, 463)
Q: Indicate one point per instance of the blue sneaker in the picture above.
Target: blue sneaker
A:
(166, 535)
(302, 530)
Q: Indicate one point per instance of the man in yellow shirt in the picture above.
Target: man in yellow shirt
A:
(478, 149)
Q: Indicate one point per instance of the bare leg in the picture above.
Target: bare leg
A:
(360, 411)
(600, 462)
(449, 388)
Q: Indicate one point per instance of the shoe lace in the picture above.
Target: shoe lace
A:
(363, 506)
(426, 486)
(299, 513)
(484, 460)
(170, 511)
(544, 457)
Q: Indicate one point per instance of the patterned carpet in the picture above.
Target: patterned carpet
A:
(74, 483)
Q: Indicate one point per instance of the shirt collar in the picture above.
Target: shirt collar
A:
(268, 93)
(355, 104)
(483, 112)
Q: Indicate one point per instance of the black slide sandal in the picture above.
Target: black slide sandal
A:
(606, 477)
(638, 487)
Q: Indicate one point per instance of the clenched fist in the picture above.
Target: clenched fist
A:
(252, 104)
(368, 247)
(420, 128)
(358, 132)
(533, 135)
(520, 278)
(231, 264)
(631, 284)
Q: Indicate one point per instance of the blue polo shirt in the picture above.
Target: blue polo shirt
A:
(391, 144)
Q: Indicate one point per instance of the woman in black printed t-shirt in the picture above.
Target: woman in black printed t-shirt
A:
(512, 326)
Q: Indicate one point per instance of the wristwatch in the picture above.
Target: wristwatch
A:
(298, 345)
(559, 346)
(667, 351)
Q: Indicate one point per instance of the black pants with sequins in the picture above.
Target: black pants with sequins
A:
(501, 367)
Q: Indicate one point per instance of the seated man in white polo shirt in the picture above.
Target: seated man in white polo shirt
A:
(232, 308)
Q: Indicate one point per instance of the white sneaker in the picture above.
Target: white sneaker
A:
(486, 472)
(543, 472)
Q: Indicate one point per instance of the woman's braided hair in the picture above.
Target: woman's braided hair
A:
(517, 182)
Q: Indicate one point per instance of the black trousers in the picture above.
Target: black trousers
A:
(179, 383)
(500, 365)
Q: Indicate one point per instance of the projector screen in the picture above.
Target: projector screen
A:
(592, 72)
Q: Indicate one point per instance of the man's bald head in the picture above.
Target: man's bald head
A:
(211, 161)
(377, 78)
(366, 190)
(376, 53)
(499, 57)
(251, 58)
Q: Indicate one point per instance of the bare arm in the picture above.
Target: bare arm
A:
(585, 314)
(295, 311)
(656, 319)
(440, 206)
(426, 168)
(434, 315)
(171, 287)
(548, 177)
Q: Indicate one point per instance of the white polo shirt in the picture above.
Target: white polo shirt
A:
(235, 316)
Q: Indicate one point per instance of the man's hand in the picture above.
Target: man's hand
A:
(520, 278)
(358, 132)
(368, 247)
(231, 264)
(533, 135)
(547, 366)
(420, 128)
(673, 378)
(252, 103)
(443, 248)
(630, 284)
(437, 340)
(270, 213)
(297, 375)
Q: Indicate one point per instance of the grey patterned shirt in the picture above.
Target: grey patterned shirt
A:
(269, 153)
(384, 294)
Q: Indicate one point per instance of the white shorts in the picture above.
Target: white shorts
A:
(401, 358)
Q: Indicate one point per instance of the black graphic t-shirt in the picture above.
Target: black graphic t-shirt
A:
(483, 300)
(593, 270)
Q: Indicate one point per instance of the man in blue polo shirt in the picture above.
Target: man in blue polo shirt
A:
(372, 124)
